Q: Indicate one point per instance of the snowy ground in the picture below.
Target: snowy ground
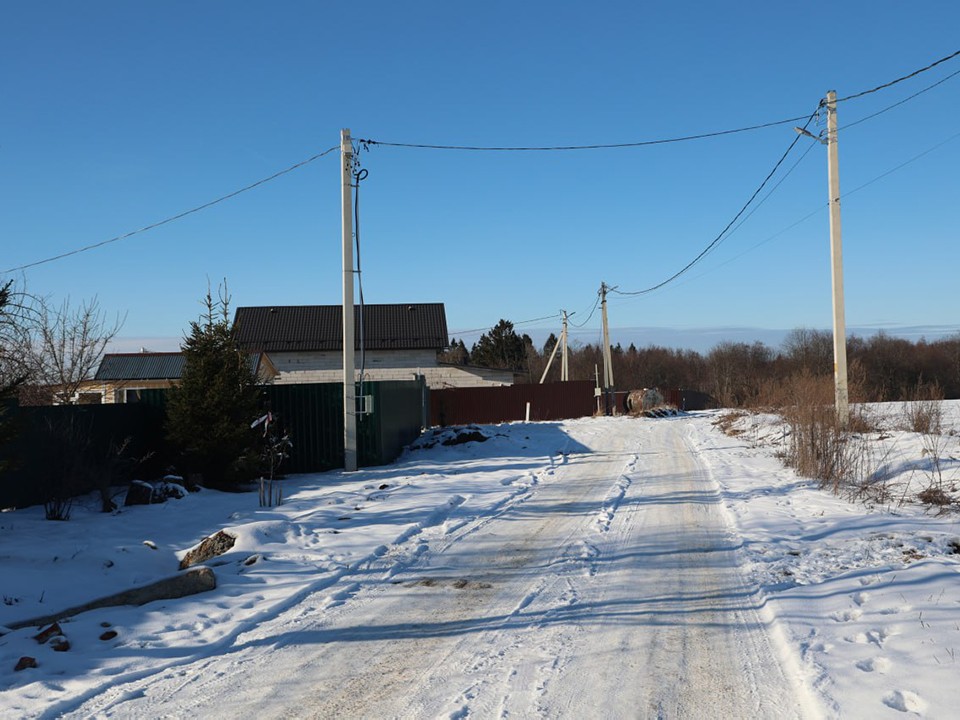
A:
(608, 567)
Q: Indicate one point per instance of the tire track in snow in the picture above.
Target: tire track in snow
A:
(612, 502)
(482, 671)
(593, 594)
(299, 608)
(671, 605)
(542, 617)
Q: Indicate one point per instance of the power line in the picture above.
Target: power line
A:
(664, 141)
(773, 189)
(603, 146)
(821, 207)
(488, 329)
(901, 165)
(596, 304)
(533, 320)
(757, 207)
(174, 217)
(901, 102)
(716, 241)
(900, 79)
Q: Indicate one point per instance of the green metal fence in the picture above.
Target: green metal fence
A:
(117, 439)
(313, 415)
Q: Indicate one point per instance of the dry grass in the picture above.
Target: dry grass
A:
(847, 460)
(934, 496)
(817, 446)
(727, 421)
(922, 412)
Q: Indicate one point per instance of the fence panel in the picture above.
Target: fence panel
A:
(550, 401)
(313, 415)
(48, 438)
(400, 409)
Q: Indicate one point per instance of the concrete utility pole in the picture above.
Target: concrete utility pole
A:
(607, 359)
(349, 370)
(564, 369)
(561, 342)
(553, 354)
(836, 256)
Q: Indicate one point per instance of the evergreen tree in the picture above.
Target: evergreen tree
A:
(456, 354)
(501, 348)
(210, 412)
(550, 344)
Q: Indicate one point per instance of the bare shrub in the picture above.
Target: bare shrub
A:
(861, 422)
(934, 496)
(772, 395)
(922, 411)
(727, 421)
(65, 469)
(817, 447)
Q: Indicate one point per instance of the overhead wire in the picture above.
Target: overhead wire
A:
(723, 233)
(901, 165)
(488, 329)
(885, 85)
(899, 103)
(359, 175)
(596, 304)
(756, 207)
(821, 207)
(595, 146)
(366, 142)
(178, 216)
(860, 187)
(739, 219)
(772, 190)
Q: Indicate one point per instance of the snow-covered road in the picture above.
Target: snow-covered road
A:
(609, 588)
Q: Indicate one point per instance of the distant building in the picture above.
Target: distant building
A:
(131, 377)
(393, 342)
(304, 344)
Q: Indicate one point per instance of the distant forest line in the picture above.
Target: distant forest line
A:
(881, 368)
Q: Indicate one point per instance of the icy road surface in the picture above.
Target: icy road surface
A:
(610, 589)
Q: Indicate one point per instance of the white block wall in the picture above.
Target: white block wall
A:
(302, 367)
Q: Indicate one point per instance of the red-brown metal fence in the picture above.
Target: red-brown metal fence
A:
(550, 401)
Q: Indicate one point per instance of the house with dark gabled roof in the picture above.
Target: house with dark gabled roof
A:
(128, 377)
(393, 342)
(304, 344)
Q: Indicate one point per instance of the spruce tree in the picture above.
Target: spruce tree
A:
(456, 354)
(501, 348)
(210, 412)
(549, 345)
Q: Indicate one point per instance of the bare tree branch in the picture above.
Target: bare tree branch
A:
(68, 345)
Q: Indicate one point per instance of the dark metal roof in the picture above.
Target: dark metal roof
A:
(420, 326)
(140, 366)
(152, 366)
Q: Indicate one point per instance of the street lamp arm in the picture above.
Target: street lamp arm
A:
(809, 134)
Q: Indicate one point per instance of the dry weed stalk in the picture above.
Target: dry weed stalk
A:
(923, 413)
(817, 447)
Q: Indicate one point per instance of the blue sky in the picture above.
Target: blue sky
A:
(117, 115)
